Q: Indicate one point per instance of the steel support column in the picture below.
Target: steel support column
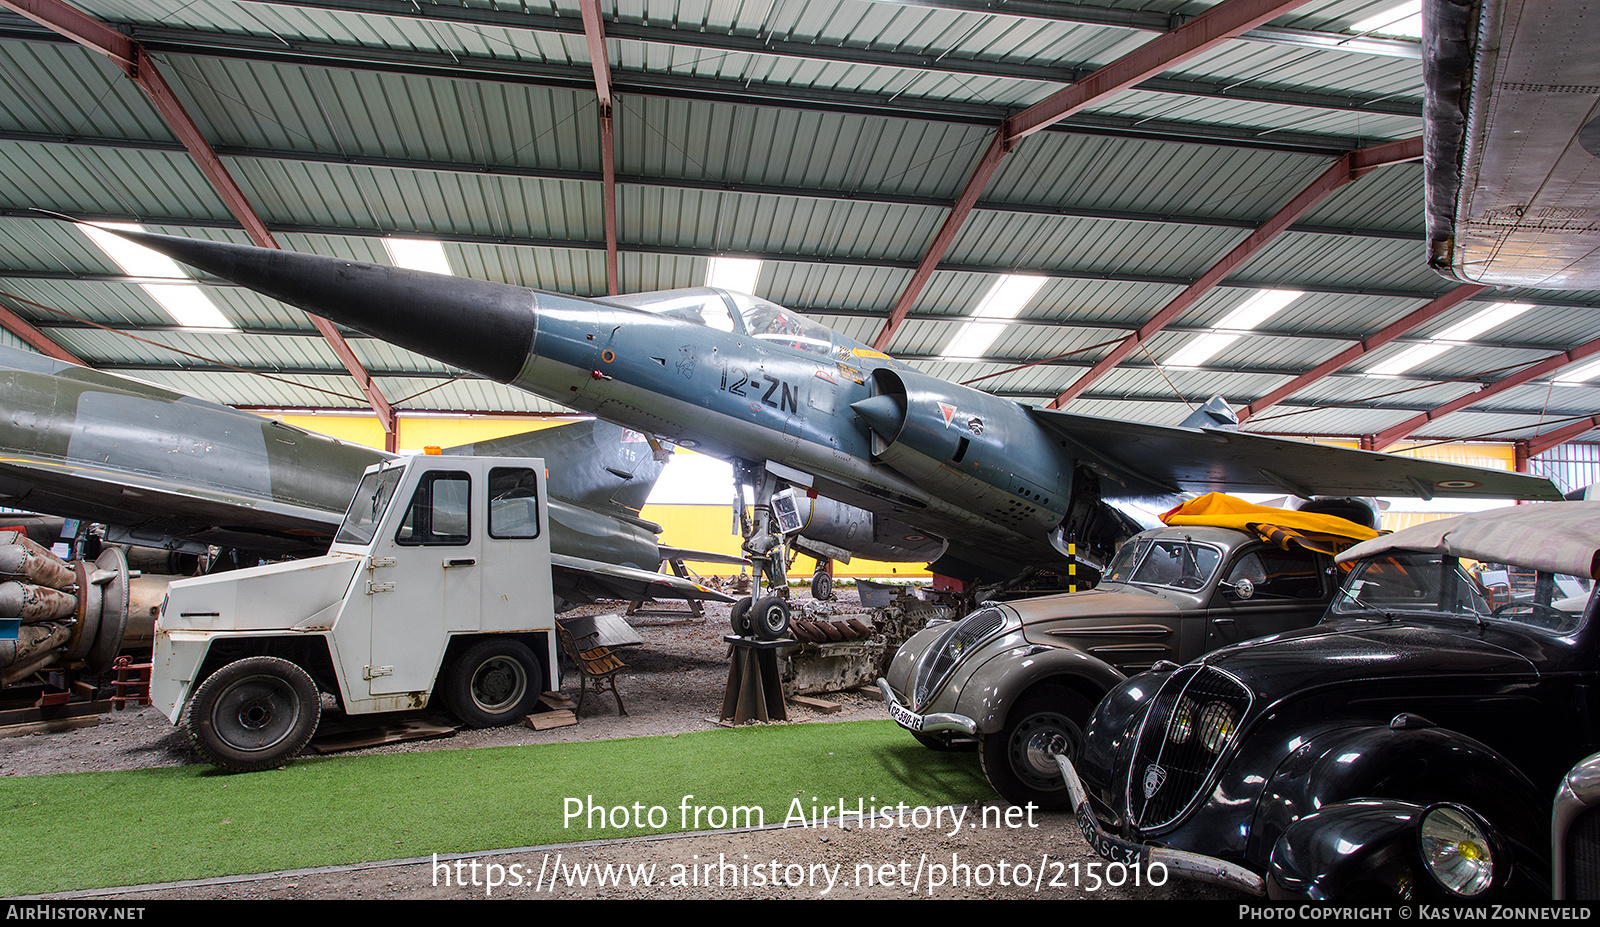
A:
(1538, 444)
(22, 328)
(942, 241)
(594, 32)
(131, 57)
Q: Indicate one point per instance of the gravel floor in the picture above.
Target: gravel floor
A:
(675, 685)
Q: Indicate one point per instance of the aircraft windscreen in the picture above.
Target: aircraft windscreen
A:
(699, 306)
(367, 508)
(771, 322)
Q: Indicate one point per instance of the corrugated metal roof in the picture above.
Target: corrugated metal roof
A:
(828, 137)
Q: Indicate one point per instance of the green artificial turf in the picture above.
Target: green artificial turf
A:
(87, 830)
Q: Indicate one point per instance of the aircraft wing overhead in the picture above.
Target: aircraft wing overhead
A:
(1136, 459)
(216, 516)
(578, 580)
(1512, 129)
(702, 556)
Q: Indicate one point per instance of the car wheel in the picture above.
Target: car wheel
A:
(493, 683)
(253, 714)
(1019, 760)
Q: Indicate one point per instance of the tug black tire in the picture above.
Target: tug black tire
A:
(253, 714)
(493, 683)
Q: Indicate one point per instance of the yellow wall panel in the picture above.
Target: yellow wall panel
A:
(357, 429)
(420, 431)
(710, 527)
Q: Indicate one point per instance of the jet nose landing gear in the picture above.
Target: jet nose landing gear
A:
(763, 616)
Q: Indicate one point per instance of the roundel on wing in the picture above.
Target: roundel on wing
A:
(1457, 484)
(1589, 137)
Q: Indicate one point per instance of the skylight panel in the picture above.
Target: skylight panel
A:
(737, 274)
(1245, 318)
(184, 301)
(1404, 20)
(1003, 302)
(1460, 333)
(1582, 373)
(418, 254)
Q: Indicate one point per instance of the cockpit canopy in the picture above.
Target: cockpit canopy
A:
(727, 311)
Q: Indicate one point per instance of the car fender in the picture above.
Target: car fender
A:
(988, 695)
(1371, 849)
(1349, 850)
(1406, 760)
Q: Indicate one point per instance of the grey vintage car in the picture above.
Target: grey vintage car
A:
(1021, 678)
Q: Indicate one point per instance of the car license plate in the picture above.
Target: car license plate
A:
(1117, 851)
(905, 717)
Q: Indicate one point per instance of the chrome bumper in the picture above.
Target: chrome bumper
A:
(1181, 863)
(925, 724)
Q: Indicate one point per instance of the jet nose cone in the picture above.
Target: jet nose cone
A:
(884, 414)
(476, 325)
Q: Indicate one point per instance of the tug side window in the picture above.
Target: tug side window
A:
(513, 502)
(438, 513)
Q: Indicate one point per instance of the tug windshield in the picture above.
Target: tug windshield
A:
(367, 508)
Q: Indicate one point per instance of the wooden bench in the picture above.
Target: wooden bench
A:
(597, 668)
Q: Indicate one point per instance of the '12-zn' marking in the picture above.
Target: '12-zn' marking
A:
(787, 401)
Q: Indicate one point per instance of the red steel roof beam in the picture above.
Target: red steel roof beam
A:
(594, 32)
(945, 237)
(1389, 436)
(131, 57)
(1349, 355)
(1199, 35)
(1345, 169)
(1221, 22)
(17, 325)
(1538, 444)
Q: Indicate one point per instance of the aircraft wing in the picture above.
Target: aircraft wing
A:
(579, 581)
(1513, 142)
(702, 556)
(1136, 459)
(130, 500)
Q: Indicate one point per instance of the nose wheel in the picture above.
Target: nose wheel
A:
(766, 618)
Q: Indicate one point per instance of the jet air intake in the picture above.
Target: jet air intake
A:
(962, 443)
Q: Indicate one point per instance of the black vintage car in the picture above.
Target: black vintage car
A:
(1406, 747)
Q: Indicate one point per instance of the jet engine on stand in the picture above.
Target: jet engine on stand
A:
(58, 613)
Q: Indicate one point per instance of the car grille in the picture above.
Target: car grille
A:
(1190, 727)
(941, 659)
(1583, 857)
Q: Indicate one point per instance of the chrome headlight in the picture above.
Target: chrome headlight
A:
(1456, 850)
(951, 646)
(1218, 721)
(1181, 728)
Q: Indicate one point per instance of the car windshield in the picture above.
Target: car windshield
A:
(1174, 563)
(366, 509)
(1415, 583)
